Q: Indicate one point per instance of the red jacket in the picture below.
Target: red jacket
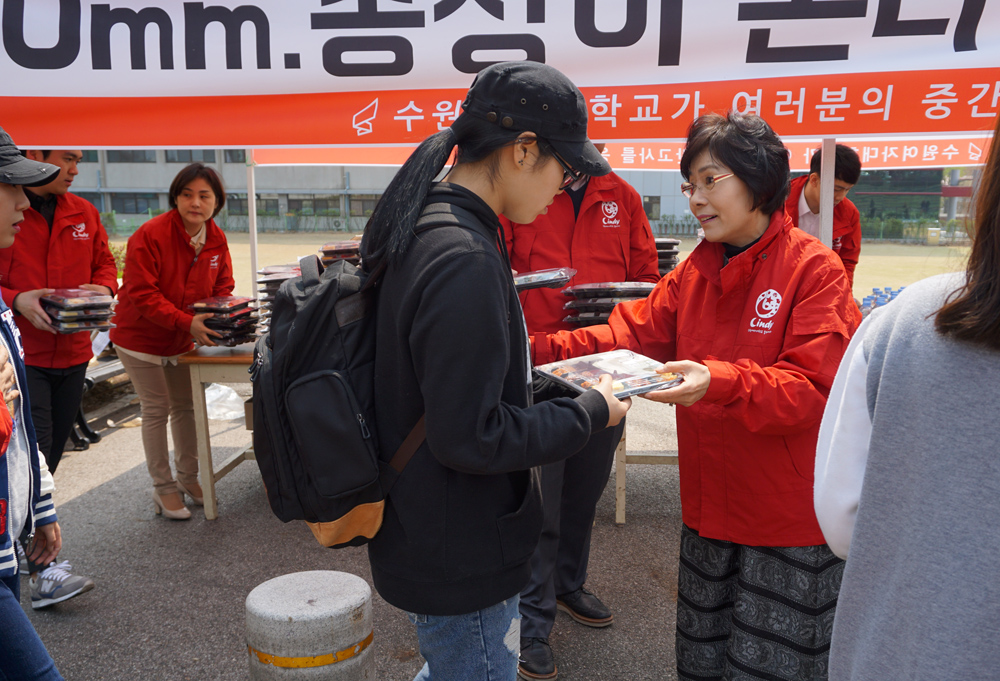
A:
(163, 277)
(846, 226)
(609, 241)
(771, 326)
(74, 252)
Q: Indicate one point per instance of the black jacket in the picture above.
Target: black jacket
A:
(463, 519)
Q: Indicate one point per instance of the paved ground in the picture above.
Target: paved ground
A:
(169, 602)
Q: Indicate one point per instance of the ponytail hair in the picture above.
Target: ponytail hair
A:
(390, 228)
(972, 313)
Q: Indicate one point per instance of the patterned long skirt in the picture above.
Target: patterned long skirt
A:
(754, 612)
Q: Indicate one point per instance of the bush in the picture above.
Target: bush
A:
(118, 250)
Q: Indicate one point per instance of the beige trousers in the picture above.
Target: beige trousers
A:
(165, 391)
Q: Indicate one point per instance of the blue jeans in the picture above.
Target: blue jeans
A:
(22, 655)
(479, 646)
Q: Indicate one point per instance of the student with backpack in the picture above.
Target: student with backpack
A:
(464, 516)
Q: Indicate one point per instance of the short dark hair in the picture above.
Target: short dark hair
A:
(846, 167)
(748, 146)
(193, 172)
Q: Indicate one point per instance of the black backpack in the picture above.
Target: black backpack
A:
(313, 398)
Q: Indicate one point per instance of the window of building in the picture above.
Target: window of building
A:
(190, 155)
(93, 197)
(134, 203)
(651, 205)
(237, 205)
(314, 205)
(90, 156)
(363, 205)
(235, 156)
(131, 156)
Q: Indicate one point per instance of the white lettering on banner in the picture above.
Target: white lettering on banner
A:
(605, 108)
(280, 47)
(409, 119)
(983, 89)
(648, 113)
(832, 102)
(752, 105)
(872, 97)
(941, 94)
(788, 95)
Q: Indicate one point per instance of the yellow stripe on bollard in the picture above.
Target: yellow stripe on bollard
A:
(315, 661)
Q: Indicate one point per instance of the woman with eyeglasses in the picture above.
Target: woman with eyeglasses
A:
(463, 518)
(756, 319)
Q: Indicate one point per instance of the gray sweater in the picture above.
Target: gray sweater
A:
(921, 591)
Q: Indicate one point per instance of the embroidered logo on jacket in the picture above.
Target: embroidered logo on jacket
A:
(214, 262)
(837, 243)
(610, 210)
(80, 232)
(767, 306)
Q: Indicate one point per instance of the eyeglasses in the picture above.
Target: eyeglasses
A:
(687, 188)
(572, 179)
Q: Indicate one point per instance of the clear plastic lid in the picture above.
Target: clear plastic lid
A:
(555, 277)
(75, 298)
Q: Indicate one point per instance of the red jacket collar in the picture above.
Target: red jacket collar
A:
(708, 257)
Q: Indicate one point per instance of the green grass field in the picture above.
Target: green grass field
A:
(880, 265)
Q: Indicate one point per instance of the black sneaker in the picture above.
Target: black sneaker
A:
(536, 660)
(585, 608)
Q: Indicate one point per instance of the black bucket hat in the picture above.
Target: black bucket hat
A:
(16, 169)
(528, 96)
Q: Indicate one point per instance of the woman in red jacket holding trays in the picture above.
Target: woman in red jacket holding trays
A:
(756, 319)
(172, 261)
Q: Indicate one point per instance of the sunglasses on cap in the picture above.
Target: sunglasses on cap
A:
(572, 179)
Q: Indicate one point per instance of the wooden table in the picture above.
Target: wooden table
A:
(215, 365)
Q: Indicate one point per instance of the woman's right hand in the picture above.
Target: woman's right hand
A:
(616, 408)
(202, 333)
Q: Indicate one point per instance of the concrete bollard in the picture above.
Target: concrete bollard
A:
(311, 625)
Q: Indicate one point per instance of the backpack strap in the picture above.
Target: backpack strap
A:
(403, 455)
(410, 445)
(311, 268)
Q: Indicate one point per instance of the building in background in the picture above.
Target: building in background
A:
(130, 185)
(133, 184)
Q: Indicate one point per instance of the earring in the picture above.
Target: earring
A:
(521, 162)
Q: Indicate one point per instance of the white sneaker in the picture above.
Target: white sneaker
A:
(22, 560)
(56, 584)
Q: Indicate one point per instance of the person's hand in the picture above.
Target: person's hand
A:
(616, 408)
(27, 303)
(202, 333)
(46, 545)
(8, 379)
(97, 288)
(696, 380)
(513, 272)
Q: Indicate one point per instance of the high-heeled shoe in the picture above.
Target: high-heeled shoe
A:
(196, 500)
(181, 513)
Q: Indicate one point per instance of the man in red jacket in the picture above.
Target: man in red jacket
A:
(62, 244)
(600, 230)
(802, 205)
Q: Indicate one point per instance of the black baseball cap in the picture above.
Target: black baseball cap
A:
(16, 169)
(528, 96)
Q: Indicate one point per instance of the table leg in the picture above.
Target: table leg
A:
(205, 471)
(620, 454)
